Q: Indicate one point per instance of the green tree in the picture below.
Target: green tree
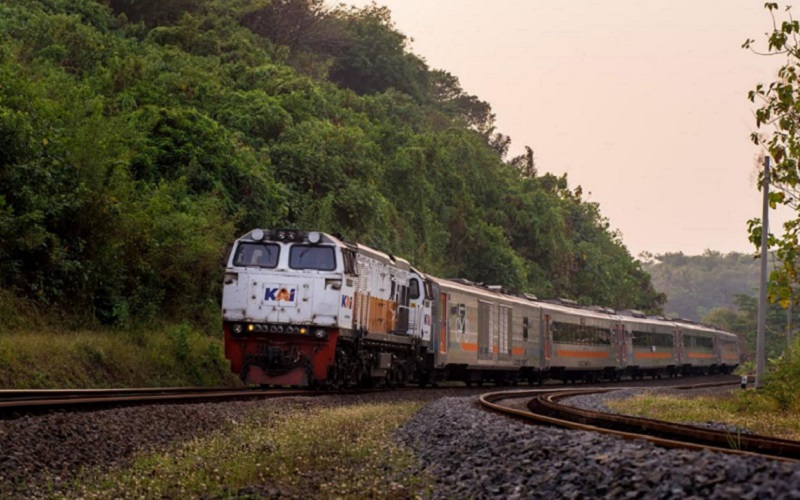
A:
(138, 138)
(779, 134)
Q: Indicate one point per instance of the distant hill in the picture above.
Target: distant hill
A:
(696, 284)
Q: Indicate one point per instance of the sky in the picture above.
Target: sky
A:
(642, 103)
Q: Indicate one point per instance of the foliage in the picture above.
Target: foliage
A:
(742, 319)
(299, 451)
(778, 133)
(138, 138)
(696, 284)
(783, 378)
(160, 356)
(743, 411)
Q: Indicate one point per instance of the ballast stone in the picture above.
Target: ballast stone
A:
(474, 453)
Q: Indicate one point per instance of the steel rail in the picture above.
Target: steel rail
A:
(543, 407)
(23, 394)
(15, 407)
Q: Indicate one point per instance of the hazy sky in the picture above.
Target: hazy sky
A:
(642, 103)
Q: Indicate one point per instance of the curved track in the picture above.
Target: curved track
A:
(542, 406)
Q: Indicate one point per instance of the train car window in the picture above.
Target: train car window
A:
(413, 289)
(314, 257)
(257, 255)
(704, 342)
(525, 328)
(484, 329)
(228, 250)
(568, 333)
(698, 342)
(648, 339)
(349, 258)
(505, 334)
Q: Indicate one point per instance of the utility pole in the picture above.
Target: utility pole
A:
(761, 360)
(789, 325)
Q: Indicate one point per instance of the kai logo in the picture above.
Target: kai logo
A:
(279, 294)
(347, 302)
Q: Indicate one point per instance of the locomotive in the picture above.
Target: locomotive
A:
(307, 309)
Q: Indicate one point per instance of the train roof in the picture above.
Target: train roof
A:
(383, 257)
(495, 293)
(578, 310)
(646, 320)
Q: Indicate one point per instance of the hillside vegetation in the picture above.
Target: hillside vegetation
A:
(695, 284)
(139, 137)
(719, 289)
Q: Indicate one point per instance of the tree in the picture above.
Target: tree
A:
(778, 123)
(300, 25)
(131, 153)
(377, 59)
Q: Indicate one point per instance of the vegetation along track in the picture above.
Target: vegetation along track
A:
(542, 406)
(14, 403)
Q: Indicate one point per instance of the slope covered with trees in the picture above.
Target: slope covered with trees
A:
(722, 290)
(695, 284)
(139, 137)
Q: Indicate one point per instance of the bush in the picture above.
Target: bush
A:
(783, 379)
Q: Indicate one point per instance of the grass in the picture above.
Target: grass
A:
(746, 409)
(171, 355)
(336, 452)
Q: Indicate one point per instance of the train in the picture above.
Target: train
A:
(308, 309)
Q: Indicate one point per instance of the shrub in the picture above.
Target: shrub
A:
(783, 379)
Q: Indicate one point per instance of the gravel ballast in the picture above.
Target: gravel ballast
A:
(475, 453)
(42, 455)
(468, 451)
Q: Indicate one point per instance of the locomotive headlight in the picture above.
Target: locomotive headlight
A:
(250, 328)
(303, 330)
(314, 237)
(237, 329)
(320, 333)
(257, 234)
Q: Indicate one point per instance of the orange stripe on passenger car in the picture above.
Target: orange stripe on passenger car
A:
(652, 355)
(518, 351)
(699, 355)
(467, 346)
(582, 354)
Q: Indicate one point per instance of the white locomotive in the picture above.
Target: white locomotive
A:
(305, 308)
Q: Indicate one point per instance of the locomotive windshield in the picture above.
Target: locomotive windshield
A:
(257, 254)
(312, 257)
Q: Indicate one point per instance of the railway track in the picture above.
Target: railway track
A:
(14, 403)
(543, 406)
